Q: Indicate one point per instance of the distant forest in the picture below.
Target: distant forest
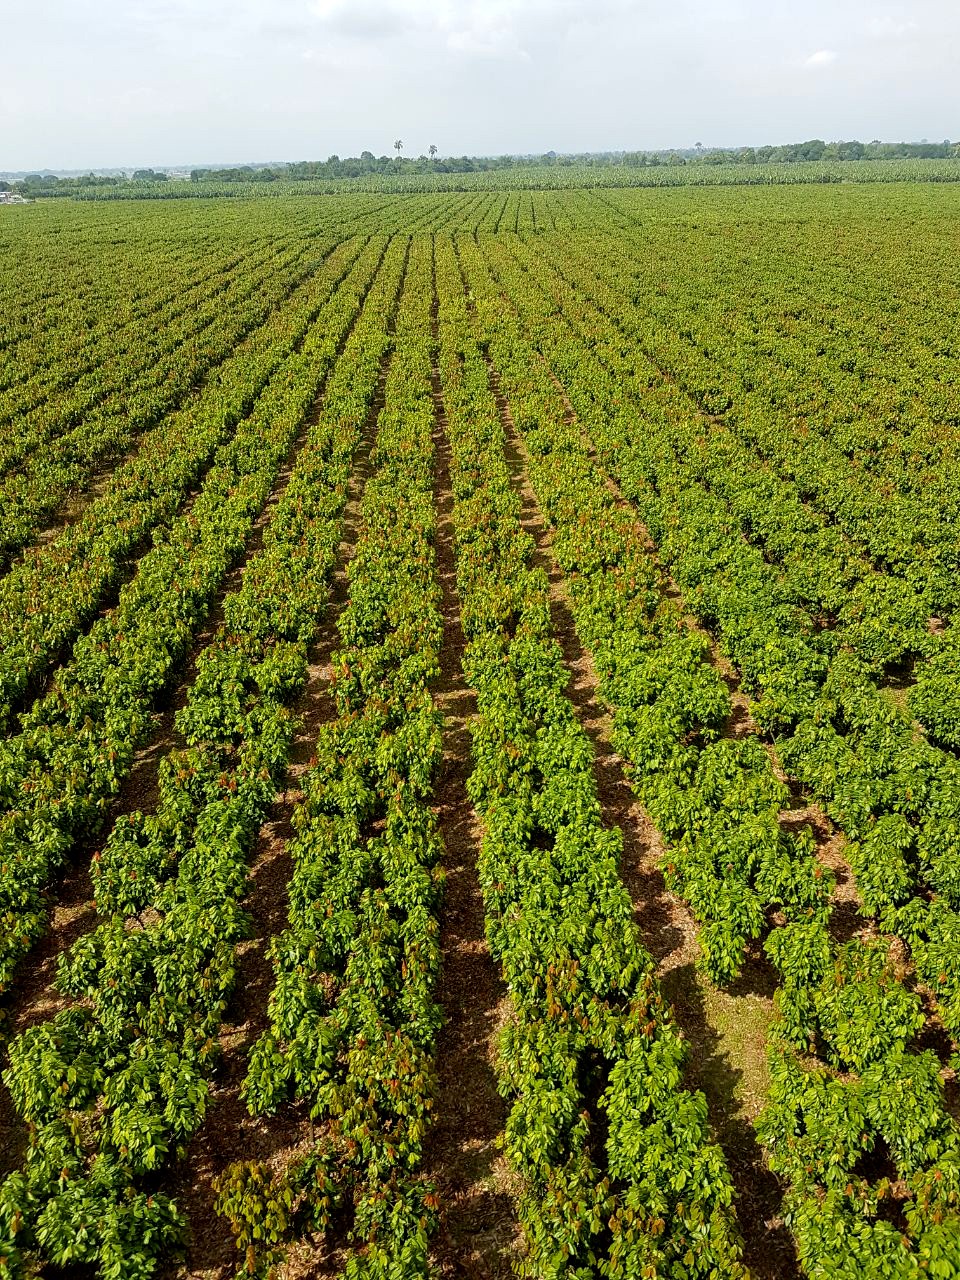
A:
(368, 165)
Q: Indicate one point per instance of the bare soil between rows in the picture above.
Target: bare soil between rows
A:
(726, 1031)
(478, 1236)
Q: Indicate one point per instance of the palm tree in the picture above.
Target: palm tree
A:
(432, 149)
(398, 146)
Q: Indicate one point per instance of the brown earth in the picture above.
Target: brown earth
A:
(726, 1030)
(478, 1236)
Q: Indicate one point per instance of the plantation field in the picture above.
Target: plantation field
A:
(480, 784)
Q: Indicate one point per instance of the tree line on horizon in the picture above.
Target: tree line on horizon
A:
(367, 164)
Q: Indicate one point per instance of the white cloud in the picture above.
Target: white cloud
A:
(489, 28)
(887, 27)
(366, 20)
(252, 80)
(492, 42)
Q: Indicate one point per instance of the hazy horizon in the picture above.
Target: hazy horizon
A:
(277, 161)
(167, 82)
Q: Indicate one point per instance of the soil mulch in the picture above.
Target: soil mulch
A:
(478, 1236)
(726, 1031)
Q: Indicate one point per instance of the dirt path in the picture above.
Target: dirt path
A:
(478, 1234)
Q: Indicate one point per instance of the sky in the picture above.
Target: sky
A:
(99, 83)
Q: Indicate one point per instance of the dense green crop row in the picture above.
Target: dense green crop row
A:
(863, 539)
(120, 290)
(32, 380)
(58, 774)
(558, 178)
(870, 464)
(135, 382)
(68, 283)
(353, 1014)
(738, 415)
(896, 797)
(713, 795)
(870, 1090)
(113, 1086)
(620, 1176)
(96, 434)
(49, 594)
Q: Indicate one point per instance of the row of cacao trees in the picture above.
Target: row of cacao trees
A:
(353, 1015)
(60, 771)
(113, 1085)
(848, 1077)
(618, 1173)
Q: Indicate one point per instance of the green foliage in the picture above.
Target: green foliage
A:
(787, 441)
(353, 1016)
(618, 1171)
(114, 1087)
(752, 558)
(258, 1207)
